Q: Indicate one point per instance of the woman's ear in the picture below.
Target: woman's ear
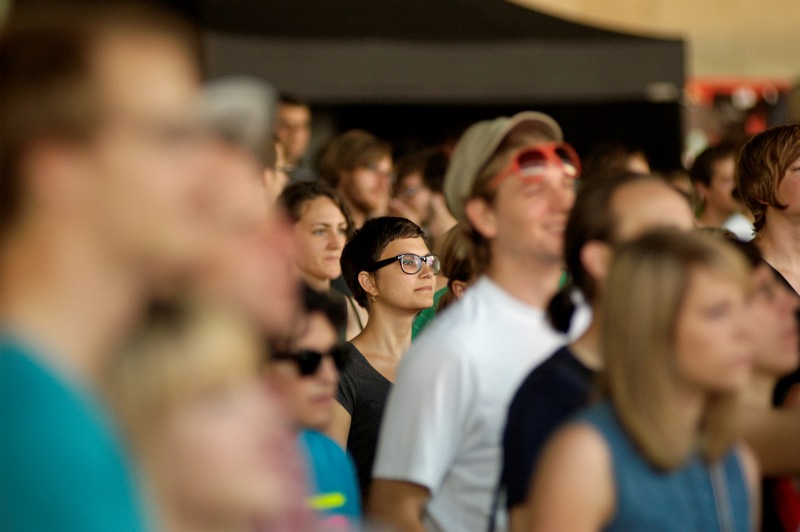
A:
(481, 216)
(596, 260)
(367, 282)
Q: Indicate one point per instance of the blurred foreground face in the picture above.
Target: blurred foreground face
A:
(211, 441)
(249, 266)
(773, 321)
(212, 456)
(144, 189)
(309, 399)
(713, 341)
(530, 213)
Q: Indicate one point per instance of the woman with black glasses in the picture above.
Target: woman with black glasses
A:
(390, 270)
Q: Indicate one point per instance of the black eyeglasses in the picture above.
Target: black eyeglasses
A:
(308, 361)
(410, 263)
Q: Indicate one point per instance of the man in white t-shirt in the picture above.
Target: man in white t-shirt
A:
(510, 184)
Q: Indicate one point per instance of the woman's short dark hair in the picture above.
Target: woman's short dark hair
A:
(293, 199)
(365, 248)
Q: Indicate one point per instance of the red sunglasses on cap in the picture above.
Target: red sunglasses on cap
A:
(531, 162)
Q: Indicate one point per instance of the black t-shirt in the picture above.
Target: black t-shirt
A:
(362, 392)
(550, 395)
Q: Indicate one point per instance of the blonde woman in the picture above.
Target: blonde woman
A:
(659, 453)
(214, 451)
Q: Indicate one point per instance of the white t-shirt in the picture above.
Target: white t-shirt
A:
(443, 423)
(740, 226)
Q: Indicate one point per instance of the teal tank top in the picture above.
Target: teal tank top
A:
(681, 500)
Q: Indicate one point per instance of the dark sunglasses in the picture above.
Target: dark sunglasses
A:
(308, 362)
(410, 263)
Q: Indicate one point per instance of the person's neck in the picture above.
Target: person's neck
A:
(779, 242)
(759, 390)
(587, 348)
(61, 292)
(531, 281)
(388, 332)
(322, 286)
(711, 217)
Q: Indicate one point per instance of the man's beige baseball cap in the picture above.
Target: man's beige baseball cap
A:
(477, 145)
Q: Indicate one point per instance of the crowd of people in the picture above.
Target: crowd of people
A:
(204, 328)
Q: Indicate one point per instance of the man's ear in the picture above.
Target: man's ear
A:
(57, 173)
(701, 189)
(481, 217)
(596, 260)
(458, 287)
(367, 282)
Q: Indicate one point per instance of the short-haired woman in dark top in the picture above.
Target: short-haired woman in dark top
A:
(391, 272)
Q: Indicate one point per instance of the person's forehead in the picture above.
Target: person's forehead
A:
(143, 69)
(405, 245)
(644, 205)
(294, 112)
(724, 168)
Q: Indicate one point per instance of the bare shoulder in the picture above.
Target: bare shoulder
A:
(573, 488)
(580, 444)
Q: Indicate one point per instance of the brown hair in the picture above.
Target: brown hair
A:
(763, 162)
(458, 264)
(350, 150)
(646, 287)
(47, 88)
(295, 197)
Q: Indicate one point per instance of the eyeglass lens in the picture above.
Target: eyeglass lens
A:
(412, 264)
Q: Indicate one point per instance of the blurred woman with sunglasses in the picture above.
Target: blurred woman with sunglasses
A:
(212, 445)
(304, 373)
(391, 272)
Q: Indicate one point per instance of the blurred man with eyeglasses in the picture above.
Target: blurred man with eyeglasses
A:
(103, 198)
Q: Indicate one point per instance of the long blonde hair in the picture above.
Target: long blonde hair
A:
(647, 286)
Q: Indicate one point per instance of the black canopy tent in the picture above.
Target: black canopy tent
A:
(397, 67)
